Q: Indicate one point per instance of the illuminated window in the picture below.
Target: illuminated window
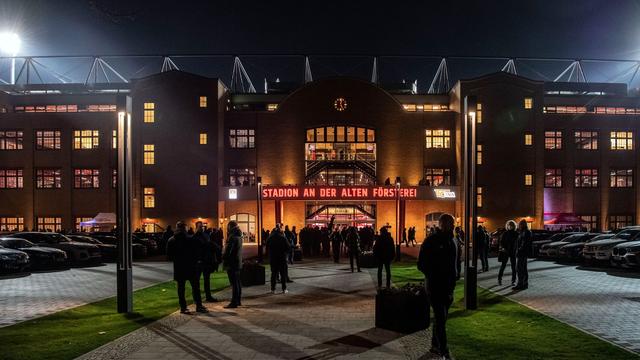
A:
(479, 196)
(528, 139)
(438, 139)
(114, 139)
(437, 177)
(620, 221)
(11, 140)
(621, 140)
(11, 179)
(553, 178)
(242, 177)
(86, 139)
(242, 138)
(409, 107)
(478, 154)
(11, 223)
(528, 103)
(114, 178)
(48, 139)
(351, 134)
(203, 179)
(479, 113)
(592, 222)
(85, 228)
(247, 224)
(149, 197)
(553, 140)
(49, 224)
(528, 179)
(149, 115)
(203, 138)
(621, 178)
(86, 178)
(586, 178)
(48, 178)
(149, 154)
(272, 107)
(586, 140)
(203, 101)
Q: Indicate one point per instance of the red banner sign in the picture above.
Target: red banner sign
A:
(338, 193)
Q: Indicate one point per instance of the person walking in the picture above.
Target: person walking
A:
(279, 247)
(507, 251)
(404, 237)
(384, 252)
(523, 245)
(232, 263)
(412, 236)
(353, 247)
(437, 261)
(209, 258)
(483, 245)
(185, 253)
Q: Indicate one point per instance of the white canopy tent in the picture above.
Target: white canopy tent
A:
(102, 220)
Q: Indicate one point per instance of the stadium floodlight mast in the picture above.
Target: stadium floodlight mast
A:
(10, 44)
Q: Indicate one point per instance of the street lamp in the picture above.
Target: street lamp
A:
(10, 45)
(470, 213)
(259, 213)
(398, 230)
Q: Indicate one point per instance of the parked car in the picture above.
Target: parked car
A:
(76, 252)
(552, 249)
(39, 257)
(626, 254)
(138, 250)
(147, 242)
(109, 252)
(573, 251)
(537, 244)
(601, 250)
(13, 260)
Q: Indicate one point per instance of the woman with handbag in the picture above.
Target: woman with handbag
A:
(507, 251)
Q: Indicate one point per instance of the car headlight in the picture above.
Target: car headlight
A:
(4, 257)
(633, 249)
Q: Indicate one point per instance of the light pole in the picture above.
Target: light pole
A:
(125, 263)
(398, 230)
(470, 213)
(259, 216)
(10, 45)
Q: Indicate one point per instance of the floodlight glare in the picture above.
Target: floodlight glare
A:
(10, 43)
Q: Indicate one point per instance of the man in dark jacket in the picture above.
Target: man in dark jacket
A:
(209, 258)
(279, 248)
(353, 247)
(336, 241)
(507, 251)
(437, 261)
(232, 262)
(384, 252)
(522, 253)
(185, 252)
(483, 246)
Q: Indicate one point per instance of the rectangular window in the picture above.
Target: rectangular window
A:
(11, 139)
(86, 139)
(48, 139)
(86, 178)
(620, 221)
(528, 103)
(553, 178)
(586, 178)
(528, 179)
(81, 228)
(361, 137)
(621, 178)
(149, 154)
(48, 178)
(114, 178)
(437, 177)
(53, 224)
(621, 140)
(242, 177)
(340, 134)
(479, 154)
(479, 196)
(331, 134)
(591, 222)
(203, 101)
(320, 134)
(371, 135)
(149, 115)
(438, 139)
(114, 139)
(272, 107)
(203, 179)
(479, 113)
(203, 138)
(409, 107)
(351, 134)
(11, 179)
(11, 223)
(553, 140)
(586, 140)
(243, 138)
(149, 197)
(528, 139)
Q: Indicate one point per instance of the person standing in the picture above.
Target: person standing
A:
(289, 235)
(336, 241)
(384, 252)
(483, 244)
(279, 248)
(232, 263)
(353, 247)
(185, 253)
(437, 261)
(523, 244)
(209, 258)
(459, 237)
(412, 236)
(404, 237)
(507, 251)
(166, 235)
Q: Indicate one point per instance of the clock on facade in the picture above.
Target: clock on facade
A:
(340, 104)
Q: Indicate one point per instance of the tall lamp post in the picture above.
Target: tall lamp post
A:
(470, 209)
(125, 260)
(10, 45)
(259, 216)
(398, 230)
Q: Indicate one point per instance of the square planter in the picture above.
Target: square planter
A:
(404, 310)
(297, 255)
(367, 260)
(252, 274)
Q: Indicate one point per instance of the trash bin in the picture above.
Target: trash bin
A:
(252, 274)
(404, 310)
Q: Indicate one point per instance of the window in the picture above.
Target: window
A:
(586, 140)
(479, 113)
(528, 103)
(437, 177)
(620, 221)
(85, 139)
(553, 178)
(203, 101)
(479, 196)
(586, 178)
(621, 178)
(203, 138)
(48, 178)
(528, 179)
(528, 139)
(621, 140)
(203, 179)
(242, 138)
(438, 139)
(114, 139)
(149, 197)
(114, 178)
(85, 228)
(553, 140)
(149, 115)
(86, 178)
(591, 222)
(49, 224)
(242, 177)
(11, 223)
(11, 179)
(149, 154)
(48, 139)
(479, 154)
(272, 107)
(246, 223)
(11, 140)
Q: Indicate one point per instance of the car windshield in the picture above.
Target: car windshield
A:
(627, 234)
(600, 237)
(16, 243)
(558, 237)
(573, 238)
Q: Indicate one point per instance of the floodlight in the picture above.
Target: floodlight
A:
(10, 43)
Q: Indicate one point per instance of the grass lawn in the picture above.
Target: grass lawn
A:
(503, 329)
(71, 333)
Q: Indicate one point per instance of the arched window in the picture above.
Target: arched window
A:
(247, 224)
(340, 143)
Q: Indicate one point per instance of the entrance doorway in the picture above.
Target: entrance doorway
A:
(351, 214)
